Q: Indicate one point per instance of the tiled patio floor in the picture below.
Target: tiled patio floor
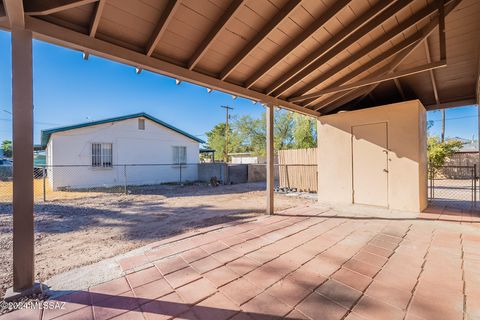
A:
(306, 263)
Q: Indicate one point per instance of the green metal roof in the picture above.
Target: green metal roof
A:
(47, 133)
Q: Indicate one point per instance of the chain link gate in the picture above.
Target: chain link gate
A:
(453, 186)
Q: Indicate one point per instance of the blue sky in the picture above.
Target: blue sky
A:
(69, 90)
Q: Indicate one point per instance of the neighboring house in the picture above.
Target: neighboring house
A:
(137, 148)
(246, 158)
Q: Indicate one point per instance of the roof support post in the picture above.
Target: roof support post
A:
(22, 107)
(270, 159)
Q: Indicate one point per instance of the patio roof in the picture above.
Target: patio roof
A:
(314, 57)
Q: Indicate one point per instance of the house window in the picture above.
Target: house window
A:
(179, 155)
(102, 155)
(141, 124)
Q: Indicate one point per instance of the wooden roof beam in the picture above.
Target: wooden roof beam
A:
(15, 12)
(43, 7)
(374, 80)
(403, 26)
(297, 41)
(95, 21)
(376, 15)
(431, 73)
(162, 24)
(332, 103)
(399, 88)
(58, 35)
(413, 39)
(259, 37)
(227, 16)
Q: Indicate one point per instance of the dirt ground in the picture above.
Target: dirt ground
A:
(75, 232)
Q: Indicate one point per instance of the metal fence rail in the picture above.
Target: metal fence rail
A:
(59, 182)
(453, 186)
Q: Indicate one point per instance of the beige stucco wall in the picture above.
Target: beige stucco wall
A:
(407, 178)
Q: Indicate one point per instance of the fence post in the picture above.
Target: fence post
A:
(475, 185)
(180, 166)
(125, 179)
(44, 187)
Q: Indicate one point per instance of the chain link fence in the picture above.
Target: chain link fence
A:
(60, 182)
(453, 186)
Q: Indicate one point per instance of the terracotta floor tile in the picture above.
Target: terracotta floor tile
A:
(206, 264)
(214, 247)
(143, 276)
(131, 315)
(378, 251)
(132, 262)
(170, 264)
(353, 279)
(221, 276)
(164, 308)
(108, 289)
(85, 313)
(182, 277)
(263, 277)
(216, 307)
(389, 294)
(240, 291)
(296, 315)
(362, 267)
(371, 258)
(152, 290)
(339, 293)
(196, 291)
(289, 290)
(316, 306)
(265, 306)
(194, 255)
(115, 306)
(243, 265)
(72, 302)
(374, 309)
(227, 255)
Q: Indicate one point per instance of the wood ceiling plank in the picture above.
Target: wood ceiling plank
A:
(228, 15)
(361, 26)
(167, 15)
(297, 41)
(265, 32)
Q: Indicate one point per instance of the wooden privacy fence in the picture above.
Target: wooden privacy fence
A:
(298, 169)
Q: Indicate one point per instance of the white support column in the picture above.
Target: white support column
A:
(22, 107)
(270, 158)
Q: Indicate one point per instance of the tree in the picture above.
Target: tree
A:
(439, 152)
(304, 132)
(7, 148)
(216, 140)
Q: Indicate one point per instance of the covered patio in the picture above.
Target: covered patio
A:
(312, 57)
(303, 263)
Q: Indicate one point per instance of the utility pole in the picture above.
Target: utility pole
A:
(443, 126)
(226, 131)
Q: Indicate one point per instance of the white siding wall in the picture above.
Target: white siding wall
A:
(154, 145)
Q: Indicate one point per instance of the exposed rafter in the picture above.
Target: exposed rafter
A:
(44, 7)
(401, 27)
(332, 103)
(259, 37)
(399, 88)
(95, 21)
(52, 33)
(374, 80)
(297, 41)
(228, 15)
(413, 39)
(432, 74)
(15, 12)
(162, 24)
(346, 37)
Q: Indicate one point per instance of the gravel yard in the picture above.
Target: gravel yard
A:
(76, 232)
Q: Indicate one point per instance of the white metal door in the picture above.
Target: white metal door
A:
(370, 164)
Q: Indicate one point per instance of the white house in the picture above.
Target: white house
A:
(135, 149)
